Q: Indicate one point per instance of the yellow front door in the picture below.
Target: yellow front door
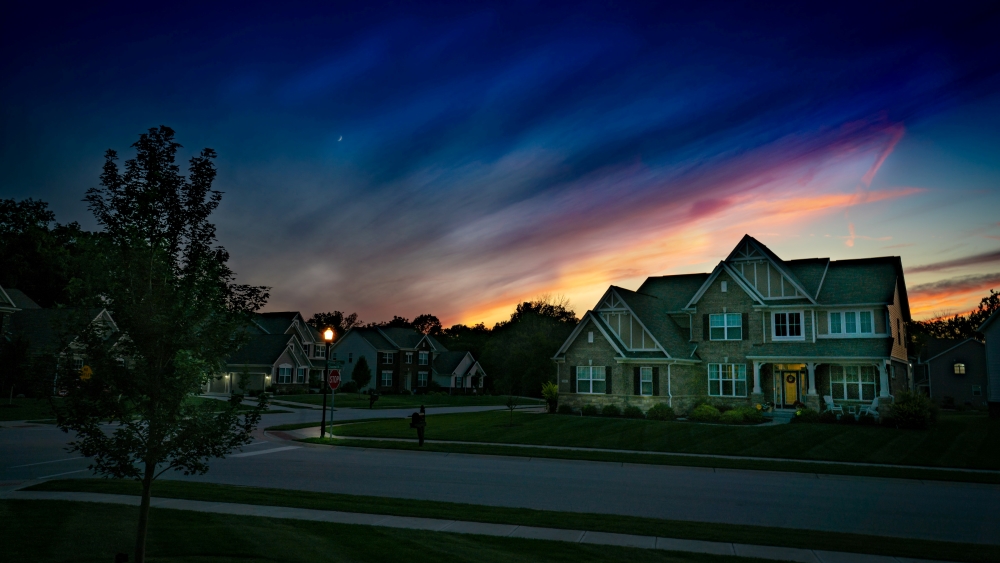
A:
(791, 387)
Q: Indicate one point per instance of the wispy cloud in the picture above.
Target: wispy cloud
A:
(973, 260)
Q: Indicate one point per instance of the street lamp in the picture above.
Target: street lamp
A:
(328, 337)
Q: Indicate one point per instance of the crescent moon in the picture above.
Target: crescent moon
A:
(340, 139)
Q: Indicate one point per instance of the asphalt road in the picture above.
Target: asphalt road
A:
(958, 512)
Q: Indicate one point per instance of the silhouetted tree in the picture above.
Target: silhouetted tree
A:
(957, 327)
(427, 324)
(362, 374)
(396, 322)
(336, 320)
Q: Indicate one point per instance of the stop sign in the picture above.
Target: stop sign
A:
(333, 379)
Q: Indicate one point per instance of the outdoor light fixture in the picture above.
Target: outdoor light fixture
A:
(328, 336)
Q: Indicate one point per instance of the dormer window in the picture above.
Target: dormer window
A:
(959, 369)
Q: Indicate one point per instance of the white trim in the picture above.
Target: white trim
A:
(579, 328)
(802, 328)
(738, 278)
(823, 279)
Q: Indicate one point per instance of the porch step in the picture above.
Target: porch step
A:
(781, 416)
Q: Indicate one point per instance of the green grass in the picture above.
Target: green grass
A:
(53, 531)
(760, 535)
(25, 409)
(354, 400)
(956, 441)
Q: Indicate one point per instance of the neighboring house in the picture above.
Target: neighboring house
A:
(991, 330)
(406, 360)
(283, 350)
(48, 332)
(757, 329)
(953, 372)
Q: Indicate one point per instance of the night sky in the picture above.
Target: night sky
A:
(456, 159)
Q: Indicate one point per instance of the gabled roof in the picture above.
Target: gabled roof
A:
(937, 347)
(373, 336)
(409, 338)
(810, 272)
(865, 280)
(261, 349)
(448, 362)
(778, 263)
(674, 292)
(736, 277)
(6, 303)
(993, 318)
(650, 312)
(48, 330)
(276, 323)
(20, 300)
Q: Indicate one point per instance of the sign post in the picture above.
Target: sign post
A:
(333, 380)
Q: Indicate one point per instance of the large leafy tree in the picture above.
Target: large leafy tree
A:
(427, 324)
(337, 320)
(362, 374)
(179, 314)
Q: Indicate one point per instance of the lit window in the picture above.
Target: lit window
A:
(959, 369)
(386, 379)
(423, 358)
(727, 380)
(645, 381)
(852, 383)
(421, 379)
(788, 325)
(727, 326)
(386, 357)
(590, 379)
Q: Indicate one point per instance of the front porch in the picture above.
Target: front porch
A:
(792, 383)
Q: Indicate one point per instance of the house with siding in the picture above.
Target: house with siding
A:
(952, 372)
(404, 360)
(757, 329)
(283, 350)
(991, 331)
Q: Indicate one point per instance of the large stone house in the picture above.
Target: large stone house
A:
(283, 351)
(404, 360)
(756, 330)
(952, 372)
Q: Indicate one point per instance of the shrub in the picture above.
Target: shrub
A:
(349, 387)
(550, 392)
(732, 416)
(866, 419)
(565, 409)
(912, 410)
(704, 413)
(828, 417)
(589, 410)
(633, 411)
(611, 410)
(848, 419)
(809, 416)
(752, 416)
(661, 411)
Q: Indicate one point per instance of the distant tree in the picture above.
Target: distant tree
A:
(362, 374)
(396, 322)
(42, 258)
(180, 315)
(957, 327)
(427, 324)
(336, 320)
(472, 338)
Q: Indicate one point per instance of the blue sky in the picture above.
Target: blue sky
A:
(457, 158)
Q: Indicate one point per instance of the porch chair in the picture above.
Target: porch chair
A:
(871, 409)
(828, 401)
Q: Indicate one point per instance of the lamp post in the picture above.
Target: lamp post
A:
(328, 337)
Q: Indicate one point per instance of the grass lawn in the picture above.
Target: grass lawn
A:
(356, 400)
(760, 535)
(956, 441)
(25, 409)
(43, 531)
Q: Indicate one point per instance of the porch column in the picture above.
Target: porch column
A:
(812, 377)
(756, 378)
(883, 380)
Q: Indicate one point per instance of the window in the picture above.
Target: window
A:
(645, 381)
(386, 357)
(386, 379)
(727, 326)
(788, 326)
(851, 322)
(852, 383)
(590, 336)
(727, 380)
(300, 375)
(459, 382)
(959, 369)
(423, 358)
(305, 347)
(590, 379)
(333, 356)
(409, 357)
(285, 374)
(421, 379)
(350, 357)
(977, 391)
(320, 351)
(725, 287)
(78, 363)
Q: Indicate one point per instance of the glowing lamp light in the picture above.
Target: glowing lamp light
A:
(328, 335)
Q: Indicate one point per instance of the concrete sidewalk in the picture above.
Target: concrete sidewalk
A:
(463, 527)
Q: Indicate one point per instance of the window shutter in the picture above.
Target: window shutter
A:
(704, 327)
(746, 327)
(572, 379)
(656, 381)
(636, 389)
(607, 381)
